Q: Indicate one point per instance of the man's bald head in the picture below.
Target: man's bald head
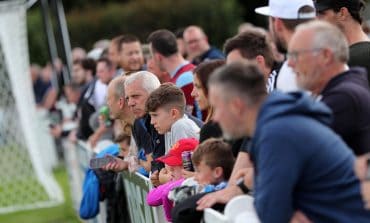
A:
(116, 97)
(196, 40)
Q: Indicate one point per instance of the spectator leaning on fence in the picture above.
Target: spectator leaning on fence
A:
(119, 111)
(166, 107)
(173, 162)
(318, 54)
(117, 104)
(150, 144)
(300, 163)
(213, 162)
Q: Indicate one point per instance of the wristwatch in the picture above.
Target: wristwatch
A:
(242, 186)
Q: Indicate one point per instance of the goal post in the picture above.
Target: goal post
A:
(26, 150)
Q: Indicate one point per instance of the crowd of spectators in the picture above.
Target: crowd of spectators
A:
(280, 114)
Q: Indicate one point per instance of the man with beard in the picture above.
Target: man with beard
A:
(284, 16)
(300, 163)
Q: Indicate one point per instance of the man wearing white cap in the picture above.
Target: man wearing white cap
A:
(284, 16)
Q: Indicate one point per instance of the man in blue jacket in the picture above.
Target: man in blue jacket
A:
(300, 163)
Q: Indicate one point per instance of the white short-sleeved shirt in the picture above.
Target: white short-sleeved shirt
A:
(182, 128)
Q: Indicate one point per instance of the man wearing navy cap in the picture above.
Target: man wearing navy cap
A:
(346, 14)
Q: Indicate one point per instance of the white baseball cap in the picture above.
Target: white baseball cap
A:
(287, 9)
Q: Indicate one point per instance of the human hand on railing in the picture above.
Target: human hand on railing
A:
(133, 163)
(222, 196)
(117, 165)
(154, 178)
(187, 174)
(164, 176)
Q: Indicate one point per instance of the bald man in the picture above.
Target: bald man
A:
(198, 47)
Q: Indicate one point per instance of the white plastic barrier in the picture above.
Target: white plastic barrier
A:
(77, 161)
(137, 187)
(239, 209)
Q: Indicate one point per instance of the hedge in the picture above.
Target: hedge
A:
(219, 18)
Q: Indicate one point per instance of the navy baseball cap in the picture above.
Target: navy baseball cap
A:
(351, 5)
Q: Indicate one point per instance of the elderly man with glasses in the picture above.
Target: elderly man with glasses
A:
(318, 53)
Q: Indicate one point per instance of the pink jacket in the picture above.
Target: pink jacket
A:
(159, 196)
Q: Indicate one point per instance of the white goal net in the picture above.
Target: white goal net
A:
(27, 152)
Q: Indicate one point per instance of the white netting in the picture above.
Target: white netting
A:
(27, 153)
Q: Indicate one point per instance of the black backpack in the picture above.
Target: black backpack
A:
(107, 183)
(112, 190)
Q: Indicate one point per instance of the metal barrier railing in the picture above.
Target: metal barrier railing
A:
(136, 187)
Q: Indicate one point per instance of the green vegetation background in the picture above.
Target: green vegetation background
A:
(88, 23)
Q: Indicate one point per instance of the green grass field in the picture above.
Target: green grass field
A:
(63, 213)
(18, 181)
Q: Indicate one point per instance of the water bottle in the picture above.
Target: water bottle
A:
(104, 112)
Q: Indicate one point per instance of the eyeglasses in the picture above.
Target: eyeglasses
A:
(293, 55)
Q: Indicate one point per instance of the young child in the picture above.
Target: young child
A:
(173, 162)
(166, 106)
(123, 140)
(213, 161)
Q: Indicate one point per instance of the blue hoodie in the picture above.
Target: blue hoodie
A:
(89, 206)
(301, 164)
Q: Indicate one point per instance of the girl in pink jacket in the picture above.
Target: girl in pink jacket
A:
(173, 168)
